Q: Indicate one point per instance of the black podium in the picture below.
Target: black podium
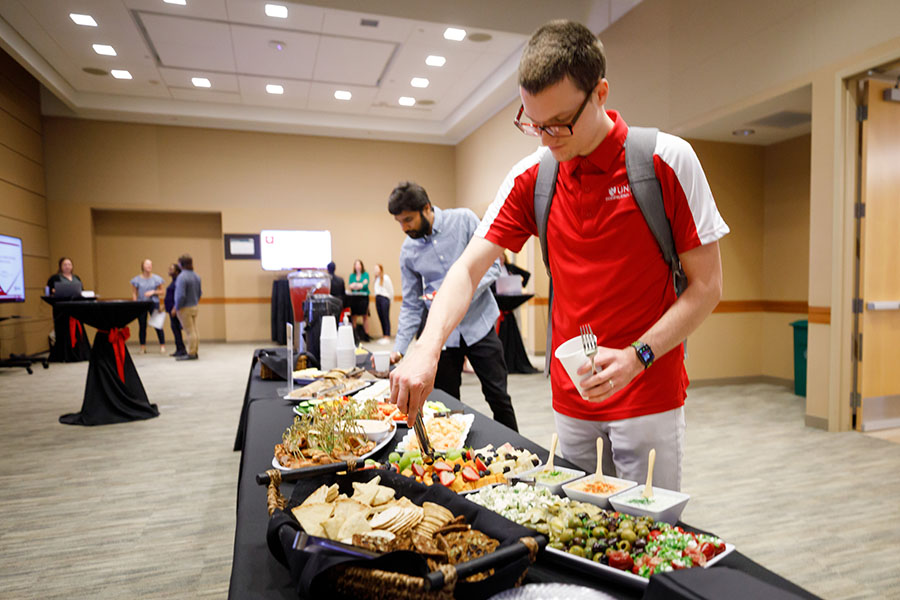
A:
(508, 332)
(71, 344)
(113, 392)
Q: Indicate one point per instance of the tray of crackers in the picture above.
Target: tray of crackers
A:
(406, 530)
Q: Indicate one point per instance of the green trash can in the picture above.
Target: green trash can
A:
(801, 334)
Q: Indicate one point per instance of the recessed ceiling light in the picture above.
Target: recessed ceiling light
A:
(104, 50)
(277, 45)
(743, 132)
(406, 101)
(274, 88)
(120, 74)
(86, 20)
(418, 82)
(435, 61)
(342, 95)
(201, 82)
(178, 2)
(277, 10)
(457, 35)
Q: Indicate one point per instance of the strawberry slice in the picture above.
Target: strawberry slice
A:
(442, 466)
(479, 464)
(417, 469)
(469, 454)
(447, 478)
(469, 474)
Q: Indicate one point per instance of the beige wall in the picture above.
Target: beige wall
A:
(23, 207)
(254, 180)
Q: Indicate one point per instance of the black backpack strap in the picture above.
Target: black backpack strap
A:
(544, 188)
(640, 145)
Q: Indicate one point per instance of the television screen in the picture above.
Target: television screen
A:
(12, 273)
(285, 250)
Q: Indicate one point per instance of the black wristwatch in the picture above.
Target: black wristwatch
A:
(644, 353)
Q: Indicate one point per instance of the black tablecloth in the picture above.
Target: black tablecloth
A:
(256, 574)
(282, 311)
(109, 397)
(63, 350)
(508, 332)
(258, 389)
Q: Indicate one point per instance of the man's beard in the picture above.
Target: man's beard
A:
(423, 230)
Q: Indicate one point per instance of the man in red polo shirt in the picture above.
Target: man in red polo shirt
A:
(608, 270)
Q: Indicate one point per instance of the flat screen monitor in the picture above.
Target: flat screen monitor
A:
(282, 250)
(12, 272)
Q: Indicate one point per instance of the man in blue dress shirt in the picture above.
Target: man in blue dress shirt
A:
(435, 240)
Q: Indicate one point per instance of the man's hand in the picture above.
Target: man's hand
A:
(395, 357)
(615, 369)
(174, 314)
(412, 382)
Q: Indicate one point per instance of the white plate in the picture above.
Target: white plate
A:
(613, 573)
(387, 439)
(543, 591)
(466, 420)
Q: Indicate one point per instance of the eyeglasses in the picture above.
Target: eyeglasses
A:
(560, 130)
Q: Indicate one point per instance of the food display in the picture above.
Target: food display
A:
(334, 384)
(391, 411)
(663, 505)
(592, 489)
(554, 477)
(445, 433)
(604, 539)
(375, 520)
(330, 433)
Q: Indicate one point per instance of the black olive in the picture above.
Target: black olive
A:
(488, 460)
(599, 546)
(535, 460)
(506, 469)
(482, 473)
(582, 516)
(456, 468)
(640, 544)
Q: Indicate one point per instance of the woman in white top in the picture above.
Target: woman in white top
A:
(148, 286)
(384, 293)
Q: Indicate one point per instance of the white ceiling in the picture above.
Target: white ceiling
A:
(324, 47)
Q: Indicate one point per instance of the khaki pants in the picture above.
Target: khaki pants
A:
(188, 318)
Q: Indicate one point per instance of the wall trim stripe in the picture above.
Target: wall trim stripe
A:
(820, 314)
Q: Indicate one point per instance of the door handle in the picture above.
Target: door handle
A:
(884, 305)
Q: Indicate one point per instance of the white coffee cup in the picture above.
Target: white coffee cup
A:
(345, 337)
(382, 361)
(346, 358)
(327, 353)
(571, 354)
(329, 328)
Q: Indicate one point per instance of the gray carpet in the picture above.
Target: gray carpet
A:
(146, 509)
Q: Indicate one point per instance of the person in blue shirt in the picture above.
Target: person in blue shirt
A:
(187, 297)
(435, 239)
(180, 350)
(148, 286)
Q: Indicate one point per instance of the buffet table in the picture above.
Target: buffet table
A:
(113, 392)
(255, 572)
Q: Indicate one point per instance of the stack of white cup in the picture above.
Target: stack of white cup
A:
(346, 350)
(328, 343)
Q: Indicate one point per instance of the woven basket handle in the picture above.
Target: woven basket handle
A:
(274, 499)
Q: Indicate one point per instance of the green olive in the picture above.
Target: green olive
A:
(589, 543)
(557, 524)
(642, 531)
(576, 550)
(591, 524)
(581, 532)
(574, 522)
(628, 535)
(599, 532)
(566, 535)
(598, 556)
(624, 546)
(557, 545)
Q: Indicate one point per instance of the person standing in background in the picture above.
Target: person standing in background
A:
(64, 273)
(384, 293)
(187, 297)
(174, 271)
(148, 286)
(337, 285)
(358, 282)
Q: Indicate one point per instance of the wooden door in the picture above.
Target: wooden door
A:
(879, 270)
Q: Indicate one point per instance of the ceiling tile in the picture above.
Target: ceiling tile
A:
(343, 60)
(190, 43)
(253, 91)
(181, 78)
(205, 9)
(206, 96)
(349, 24)
(255, 54)
(252, 12)
(321, 97)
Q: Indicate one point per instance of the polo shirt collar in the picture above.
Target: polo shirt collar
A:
(603, 156)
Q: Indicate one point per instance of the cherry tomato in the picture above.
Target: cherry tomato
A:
(621, 560)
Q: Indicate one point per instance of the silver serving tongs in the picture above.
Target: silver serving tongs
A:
(422, 436)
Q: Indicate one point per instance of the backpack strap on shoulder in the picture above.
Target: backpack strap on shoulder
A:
(640, 145)
(544, 188)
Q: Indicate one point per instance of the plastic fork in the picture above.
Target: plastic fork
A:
(589, 343)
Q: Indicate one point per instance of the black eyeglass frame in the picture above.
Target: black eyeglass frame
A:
(533, 129)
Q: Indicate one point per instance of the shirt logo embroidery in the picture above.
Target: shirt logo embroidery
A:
(618, 192)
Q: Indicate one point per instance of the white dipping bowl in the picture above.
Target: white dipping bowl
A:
(375, 429)
(666, 506)
(573, 489)
(555, 487)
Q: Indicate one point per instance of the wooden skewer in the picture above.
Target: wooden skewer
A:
(648, 488)
(600, 460)
(553, 442)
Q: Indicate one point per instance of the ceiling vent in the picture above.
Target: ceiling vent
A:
(784, 119)
(480, 37)
(368, 22)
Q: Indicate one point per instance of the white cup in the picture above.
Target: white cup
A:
(571, 354)
(329, 328)
(346, 358)
(345, 337)
(382, 361)
(327, 353)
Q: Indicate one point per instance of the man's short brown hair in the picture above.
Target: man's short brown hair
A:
(558, 49)
(186, 262)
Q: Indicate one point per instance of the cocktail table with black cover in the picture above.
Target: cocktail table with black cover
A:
(71, 344)
(113, 392)
(508, 332)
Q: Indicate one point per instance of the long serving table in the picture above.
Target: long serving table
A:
(256, 574)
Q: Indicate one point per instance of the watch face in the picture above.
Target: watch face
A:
(645, 354)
